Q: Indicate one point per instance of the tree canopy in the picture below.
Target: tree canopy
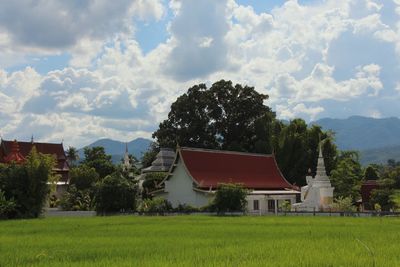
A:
(220, 117)
(97, 158)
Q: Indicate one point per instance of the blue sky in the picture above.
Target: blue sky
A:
(82, 70)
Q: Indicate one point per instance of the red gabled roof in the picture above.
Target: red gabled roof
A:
(211, 167)
(45, 148)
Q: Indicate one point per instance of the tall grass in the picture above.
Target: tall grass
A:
(201, 241)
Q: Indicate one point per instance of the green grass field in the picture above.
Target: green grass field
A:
(201, 241)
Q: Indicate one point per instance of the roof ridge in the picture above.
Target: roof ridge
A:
(226, 152)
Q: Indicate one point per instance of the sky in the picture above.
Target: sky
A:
(80, 70)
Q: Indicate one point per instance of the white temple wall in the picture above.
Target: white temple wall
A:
(179, 190)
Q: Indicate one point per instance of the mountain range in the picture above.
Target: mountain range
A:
(377, 139)
(116, 149)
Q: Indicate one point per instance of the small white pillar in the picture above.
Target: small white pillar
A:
(276, 206)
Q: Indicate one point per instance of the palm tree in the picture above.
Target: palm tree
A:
(72, 155)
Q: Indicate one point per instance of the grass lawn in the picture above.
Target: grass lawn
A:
(201, 241)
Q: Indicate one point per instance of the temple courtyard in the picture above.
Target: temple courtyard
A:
(201, 241)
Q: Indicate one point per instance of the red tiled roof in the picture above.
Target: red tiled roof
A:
(14, 155)
(211, 167)
(45, 148)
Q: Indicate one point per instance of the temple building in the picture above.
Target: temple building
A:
(163, 161)
(17, 151)
(317, 195)
(196, 173)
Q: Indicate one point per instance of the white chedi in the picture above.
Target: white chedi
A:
(317, 195)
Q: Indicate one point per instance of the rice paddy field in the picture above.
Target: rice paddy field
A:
(201, 241)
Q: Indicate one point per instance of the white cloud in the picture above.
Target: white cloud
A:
(148, 9)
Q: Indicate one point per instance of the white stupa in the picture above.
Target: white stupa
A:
(318, 193)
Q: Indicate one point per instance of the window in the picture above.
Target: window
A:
(271, 205)
(256, 204)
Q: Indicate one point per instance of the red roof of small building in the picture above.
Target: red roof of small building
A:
(14, 155)
(24, 148)
(212, 167)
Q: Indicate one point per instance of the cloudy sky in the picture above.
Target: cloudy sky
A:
(80, 70)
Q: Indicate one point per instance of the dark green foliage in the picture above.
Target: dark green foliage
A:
(230, 198)
(115, 193)
(96, 158)
(220, 117)
(72, 156)
(264, 133)
(28, 184)
(7, 207)
(151, 181)
(346, 178)
(156, 205)
(74, 199)
(389, 184)
(371, 173)
(296, 149)
(150, 154)
(185, 208)
(83, 177)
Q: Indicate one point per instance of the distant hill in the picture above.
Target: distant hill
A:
(380, 155)
(362, 133)
(116, 149)
(377, 139)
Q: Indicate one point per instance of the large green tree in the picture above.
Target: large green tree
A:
(220, 117)
(96, 157)
(389, 186)
(347, 176)
(72, 155)
(296, 148)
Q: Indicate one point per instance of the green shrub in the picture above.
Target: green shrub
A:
(151, 180)
(115, 194)
(7, 207)
(74, 199)
(344, 204)
(29, 183)
(230, 198)
(54, 202)
(285, 206)
(156, 205)
(83, 177)
(186, 208)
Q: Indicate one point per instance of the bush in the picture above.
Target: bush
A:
(29, 183)
(156, 205)
(54, 202)
(83, 177)
(344, 204)
(185, 208)
(230, 198)
(7, 207)
(285, 206)
(115, 194)
(151, 180)
(74, 199)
